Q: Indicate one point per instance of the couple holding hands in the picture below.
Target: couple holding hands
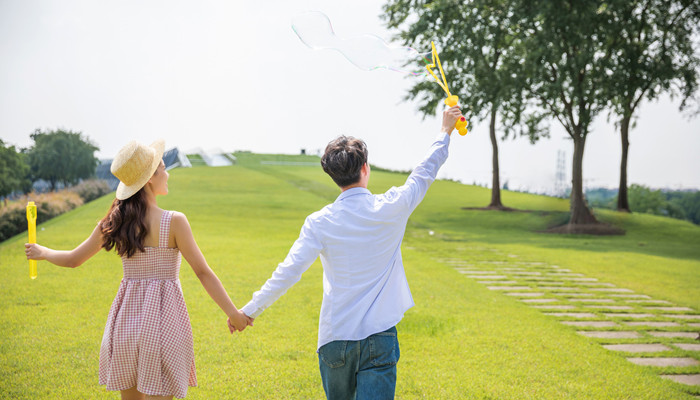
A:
(147, 348)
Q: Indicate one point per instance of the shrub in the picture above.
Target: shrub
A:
(91, 189)
(13, 218)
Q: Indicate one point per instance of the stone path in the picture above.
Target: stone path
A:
(646, 331)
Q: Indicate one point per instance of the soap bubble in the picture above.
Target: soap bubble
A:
(367, 52)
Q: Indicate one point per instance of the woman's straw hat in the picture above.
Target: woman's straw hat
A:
(134, 165)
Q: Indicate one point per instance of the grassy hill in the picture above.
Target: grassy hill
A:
(460, 341)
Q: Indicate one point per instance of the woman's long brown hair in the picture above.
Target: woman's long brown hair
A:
(124, 226)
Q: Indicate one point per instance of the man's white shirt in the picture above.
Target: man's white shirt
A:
(358, 238)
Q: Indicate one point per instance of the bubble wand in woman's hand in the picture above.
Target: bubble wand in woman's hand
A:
(451, 99)
(31, 230)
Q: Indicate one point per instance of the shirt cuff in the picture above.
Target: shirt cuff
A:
(442, 137)
(251, 310)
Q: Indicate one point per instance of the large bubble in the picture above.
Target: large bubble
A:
(367, 52)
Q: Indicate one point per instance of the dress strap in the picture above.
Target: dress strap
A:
(164, 234)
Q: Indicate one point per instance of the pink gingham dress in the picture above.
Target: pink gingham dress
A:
(147, 342)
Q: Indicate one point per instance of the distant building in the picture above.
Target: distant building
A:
(211, 158)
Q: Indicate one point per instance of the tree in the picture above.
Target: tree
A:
(61, 156)
(646, 200)
(13, 170)
(562, 54)
(475, 40)
(652, 49)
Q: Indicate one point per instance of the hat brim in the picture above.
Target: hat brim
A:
(126, 191)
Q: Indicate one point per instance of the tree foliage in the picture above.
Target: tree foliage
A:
(563, 54)
(61, 156)
(13, 170)
(652, 53)
(475, 41)
(674, 204)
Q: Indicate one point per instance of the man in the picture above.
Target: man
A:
(365, 292)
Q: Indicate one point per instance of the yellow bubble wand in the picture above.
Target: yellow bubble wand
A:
(451, 99)
(31, 230)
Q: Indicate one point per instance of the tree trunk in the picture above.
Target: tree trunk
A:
(580, 213)
(622, 201)
(496, 182)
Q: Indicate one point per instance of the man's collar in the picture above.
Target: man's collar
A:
(352, 192)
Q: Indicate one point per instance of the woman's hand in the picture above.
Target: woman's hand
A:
(34, 251)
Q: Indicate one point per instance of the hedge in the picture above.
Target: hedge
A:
(13, 217)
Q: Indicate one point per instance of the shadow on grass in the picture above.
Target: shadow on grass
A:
(665, 237)
(597, 229)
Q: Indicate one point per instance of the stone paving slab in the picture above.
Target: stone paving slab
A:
(568, 278)
(593, 300)
(538, 300)
(648, 301)
(687, 346)
(631, 296)
(608, 307)
(612, 290)
(573, 315)
(555, 307)
(691, 335)
(593, 324)
(693, 380)
(557, 288)
(487, 276)
(670, 308)
(595, 284)
(637, 348)
(681, 316)
(536, 278)
(611, 334)
(655, 324)
(693, 324)
(628, 315)
(576, 294)
(664, 361)
(498, 282)
(527, 294)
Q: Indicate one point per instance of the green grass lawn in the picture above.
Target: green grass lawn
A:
(460, 341)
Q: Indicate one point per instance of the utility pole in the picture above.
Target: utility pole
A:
(560, 176)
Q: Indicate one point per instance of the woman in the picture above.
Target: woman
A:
(147, 349)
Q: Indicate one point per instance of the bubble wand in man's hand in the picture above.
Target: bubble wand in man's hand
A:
(369, 52)
(451, 99)
(31, 230)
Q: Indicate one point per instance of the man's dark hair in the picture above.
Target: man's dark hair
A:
(343, 160)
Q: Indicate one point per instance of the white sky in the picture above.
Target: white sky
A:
(233, 75)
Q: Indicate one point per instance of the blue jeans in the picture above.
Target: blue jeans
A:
(360, 369)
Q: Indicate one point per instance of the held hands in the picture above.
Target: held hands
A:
(449, 119)
(239, 321)
(34, 251)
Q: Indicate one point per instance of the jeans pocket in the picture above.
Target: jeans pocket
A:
(384, 349)
(333, 353)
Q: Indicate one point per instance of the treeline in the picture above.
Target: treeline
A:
(675, 204)
(58, 156)
(520, 65)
